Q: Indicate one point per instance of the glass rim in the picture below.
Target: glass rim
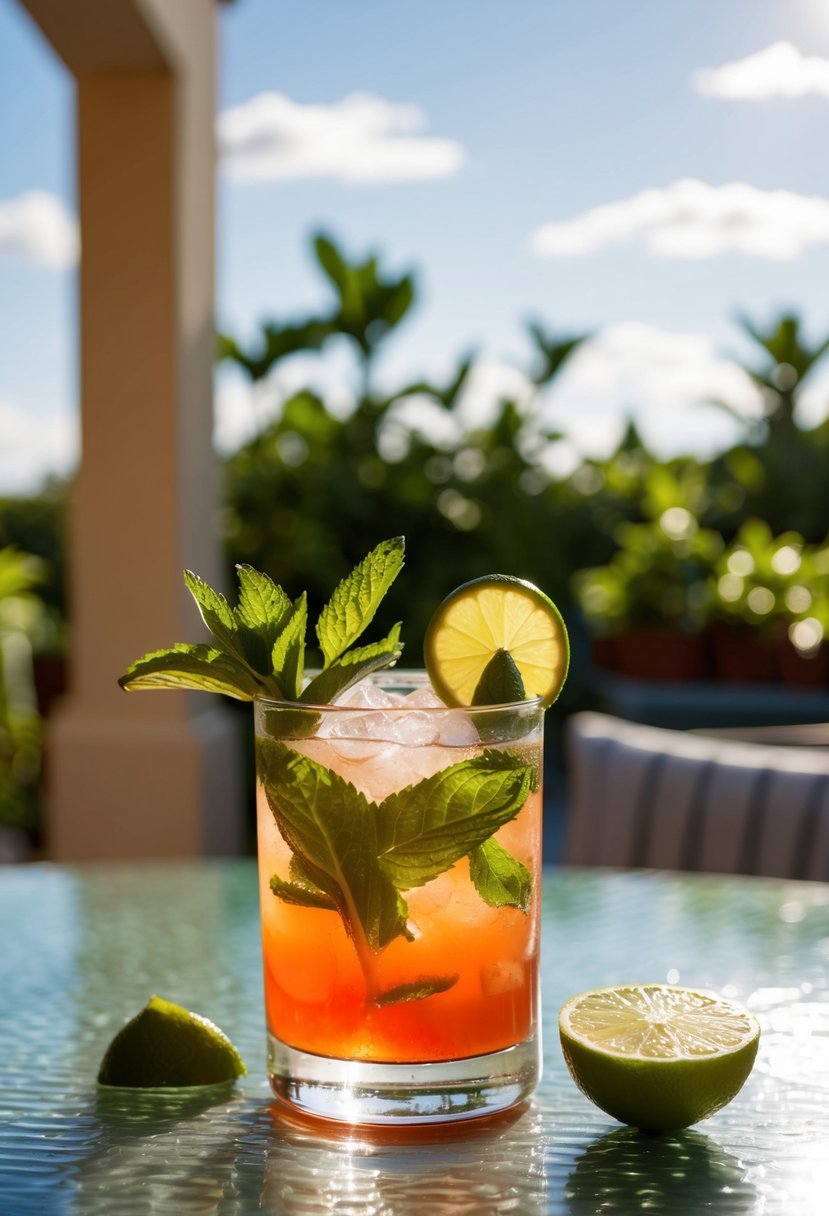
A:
(415, 676)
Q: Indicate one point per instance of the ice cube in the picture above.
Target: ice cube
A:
(503, 976)
(433, 897)
(368, 696)
(358, 751)
(424, 698)
(409, 730)
(457, 730)
(414, 729)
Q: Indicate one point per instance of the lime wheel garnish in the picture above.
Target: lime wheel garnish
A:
(492, 614)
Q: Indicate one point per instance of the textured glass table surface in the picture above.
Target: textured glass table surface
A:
(83, 948)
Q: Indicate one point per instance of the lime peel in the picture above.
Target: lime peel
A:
(656, 1056)
(165, 1046)
(497, 612)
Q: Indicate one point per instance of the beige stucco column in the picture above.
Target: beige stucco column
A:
(148, 774)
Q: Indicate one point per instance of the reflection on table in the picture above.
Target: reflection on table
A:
(89, 945)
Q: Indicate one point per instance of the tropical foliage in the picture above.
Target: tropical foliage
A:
(22, 621)
(619, 543)
(313, 489)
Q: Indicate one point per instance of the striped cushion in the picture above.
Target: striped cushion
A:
(641, 796)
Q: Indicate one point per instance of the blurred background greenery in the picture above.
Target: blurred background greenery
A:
(667, 569)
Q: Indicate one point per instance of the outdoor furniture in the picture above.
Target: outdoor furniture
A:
(85, 947)
(641, 796)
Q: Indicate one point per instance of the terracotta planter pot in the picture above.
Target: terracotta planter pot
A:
(743, 656)
(657, 654)
(603, 653)
(795, 668)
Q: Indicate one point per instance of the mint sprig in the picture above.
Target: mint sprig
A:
(360, 855)
(258, 648)
(201, 667)
(425, 828)
(500, 879)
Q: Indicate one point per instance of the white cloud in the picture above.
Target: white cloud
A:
(33, 445)
(37, 225)
(778, 71)
(362, 139)
(488, 384)
(661, 379)
(242, 408)
(690, 219)
(813, 405)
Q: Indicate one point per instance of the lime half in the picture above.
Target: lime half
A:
(166, 1045)
(657, 1057)
(492, 614)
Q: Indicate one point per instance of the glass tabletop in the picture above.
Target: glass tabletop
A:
(84, 948)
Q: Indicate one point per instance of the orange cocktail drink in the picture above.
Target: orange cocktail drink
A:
(399, 823)
(399, 863)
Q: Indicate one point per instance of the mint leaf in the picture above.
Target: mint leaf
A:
(262, 602)
(262, 613)
(260, 644)
(424, 829)
(215, 611)
(288, 654)
(353, 666)
(301, 888)
(301, 895)
(500, 879)
(331, 827)
(235, 641)
(356, 599)
(417, 990)
(198, 666)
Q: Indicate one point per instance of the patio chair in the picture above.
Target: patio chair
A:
(642, 796)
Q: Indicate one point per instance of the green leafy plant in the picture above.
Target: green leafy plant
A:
(258, 647)
(303, 494)
(763, 581)
(782, 468)
(660, 575)
(22, 620)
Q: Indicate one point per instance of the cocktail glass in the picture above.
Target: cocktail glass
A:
(399, 863)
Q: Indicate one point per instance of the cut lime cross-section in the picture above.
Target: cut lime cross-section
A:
(491, 614)
(657, 1057)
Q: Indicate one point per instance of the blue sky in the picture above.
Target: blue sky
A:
(531, 114)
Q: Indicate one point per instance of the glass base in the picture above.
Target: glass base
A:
(360, 1091)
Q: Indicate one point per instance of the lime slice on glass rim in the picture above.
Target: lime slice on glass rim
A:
(496, 613)
(655, 1056)
(167, 1045)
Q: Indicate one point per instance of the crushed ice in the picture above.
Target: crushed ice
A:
(365, 736)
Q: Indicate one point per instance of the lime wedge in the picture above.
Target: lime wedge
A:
(500, 682)
(657, 1057)
(166, 1045)
(492, 614)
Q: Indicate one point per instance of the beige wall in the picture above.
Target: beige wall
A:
(141, 774)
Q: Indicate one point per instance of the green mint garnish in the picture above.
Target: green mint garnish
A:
(417, 990)
(258, 648)
(345, 617)
(331, 827)
(360, 855)
(424, 829)
(201, 667)
(301, 894)
(500, 879)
